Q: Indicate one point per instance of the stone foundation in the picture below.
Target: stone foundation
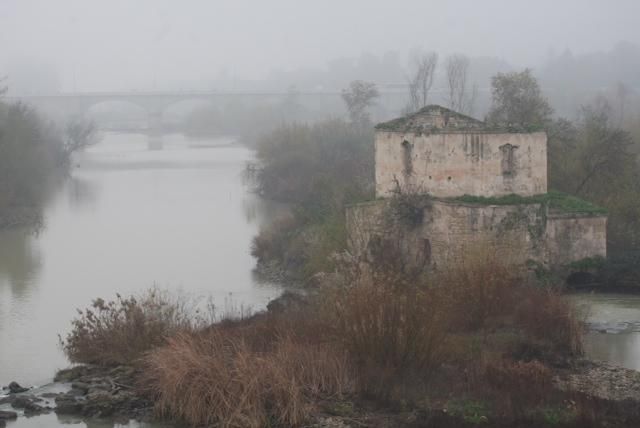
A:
(518, 234)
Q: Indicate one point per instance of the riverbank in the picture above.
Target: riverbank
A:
(493, 378)
(115, 393)
(95, 392)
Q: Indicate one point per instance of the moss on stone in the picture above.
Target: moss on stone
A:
(556, 201)
(588, 264)
(463, 124)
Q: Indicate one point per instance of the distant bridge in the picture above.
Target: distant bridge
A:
(61, 105)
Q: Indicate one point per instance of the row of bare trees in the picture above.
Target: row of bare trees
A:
(461, 95)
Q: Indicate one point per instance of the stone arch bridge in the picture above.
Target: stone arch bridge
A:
(60, 106)
(154, 104)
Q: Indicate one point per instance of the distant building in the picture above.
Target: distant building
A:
(485, 186)
(446, 154)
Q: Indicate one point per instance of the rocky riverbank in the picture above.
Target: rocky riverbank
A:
(113, 393)
(602, 381)
(99, 392)
(84, 391)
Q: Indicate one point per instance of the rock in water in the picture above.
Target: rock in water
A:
(6, 415)
(21, 402)
(15, 388)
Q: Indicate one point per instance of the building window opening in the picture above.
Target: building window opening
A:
(508, 160)
(407, 149)
(426, 251)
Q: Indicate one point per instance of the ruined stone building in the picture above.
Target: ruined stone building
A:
(446, 183)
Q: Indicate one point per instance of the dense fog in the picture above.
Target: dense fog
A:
(336, 213)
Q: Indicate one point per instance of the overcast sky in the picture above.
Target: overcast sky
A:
(141, 44)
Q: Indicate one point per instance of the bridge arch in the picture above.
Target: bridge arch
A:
(117, 114)
(176, 111)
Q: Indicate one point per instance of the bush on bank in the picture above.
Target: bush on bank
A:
(477, 334)
(317, 170)
(29, 156)
(32, 153)
(120, 331)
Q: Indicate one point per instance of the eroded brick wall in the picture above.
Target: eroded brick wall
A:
(455, 164)
(451, 230)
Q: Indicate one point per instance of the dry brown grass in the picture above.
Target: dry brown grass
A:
(546, 315)
(484, 295)
(528, 380)
(383, 336)
(391, 325)
(479, 292)
(230, 376)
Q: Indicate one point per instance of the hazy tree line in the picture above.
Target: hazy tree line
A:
(33, 152)
(594, 157)
(320, 168)
(456, 81)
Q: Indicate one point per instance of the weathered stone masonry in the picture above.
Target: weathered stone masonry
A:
(447, 155)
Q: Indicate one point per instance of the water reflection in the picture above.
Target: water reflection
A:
(51, 420)
(622, 348)
(82, 192)
(614, 323)
(20, 262)
(128, 218)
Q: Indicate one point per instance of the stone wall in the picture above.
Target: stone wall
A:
(450, 230)
(446, 164)
(573, 237)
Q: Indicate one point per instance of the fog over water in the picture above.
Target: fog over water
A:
(76, 45)
(128, 218)
(127, 129)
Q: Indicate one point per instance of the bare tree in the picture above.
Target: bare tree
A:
(78, 134)
(460, 98)
(359, 97)
(622, 94)
(421, 81)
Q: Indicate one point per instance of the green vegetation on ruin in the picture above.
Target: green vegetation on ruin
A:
(555, 200)
(405, 124)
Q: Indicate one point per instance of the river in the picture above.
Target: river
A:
(132, 215)
(177, 215)
(614, 327)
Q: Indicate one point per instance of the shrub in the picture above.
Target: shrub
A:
(234, 378)
(317, 169)
(30, 154)
(271, 244)
(546, 315)
(122, 330)
(390, 331)
(526, 380)
(480, 291)
(407, 207)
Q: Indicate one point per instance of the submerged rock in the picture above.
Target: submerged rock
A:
(22, 401)
(15, 388)
(68, 405)
(7, 415)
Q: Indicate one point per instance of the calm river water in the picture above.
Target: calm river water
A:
(614, 324)
(131, 216)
